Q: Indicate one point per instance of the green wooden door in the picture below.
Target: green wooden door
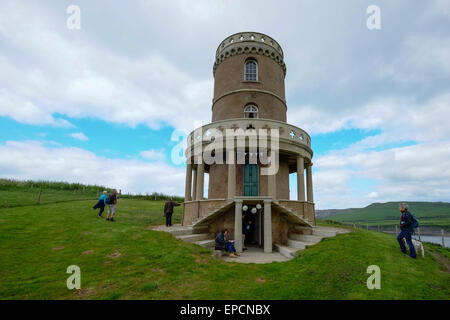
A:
(250, 180)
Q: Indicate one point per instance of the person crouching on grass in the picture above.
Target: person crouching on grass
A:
(101, 203)
(222, 243)
(111, 201)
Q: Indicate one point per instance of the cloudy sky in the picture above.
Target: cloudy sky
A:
(107, 103)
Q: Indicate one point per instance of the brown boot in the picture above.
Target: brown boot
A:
(233, 255)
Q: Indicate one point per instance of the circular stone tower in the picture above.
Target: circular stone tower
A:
(249, 99)
(249, 69)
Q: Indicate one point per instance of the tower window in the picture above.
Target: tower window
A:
(251, 111)
(251, 70)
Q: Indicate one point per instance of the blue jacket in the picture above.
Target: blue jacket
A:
(406, 220)
(103, 197)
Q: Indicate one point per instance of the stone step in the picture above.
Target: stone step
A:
(206, 243)
(305, 237)
(288, 252)
(194, 237)
(296, 244)
(181, 232)
(303, 229)
(323, 233)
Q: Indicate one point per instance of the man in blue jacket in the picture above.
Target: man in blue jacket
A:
(406, 221)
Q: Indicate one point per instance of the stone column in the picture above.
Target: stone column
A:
(272, 183)
(194, 192)
(300, 179)
(238, 225)
(200, 180)
(231, 175)
(188, 187)
(267, 226)
(309, 182)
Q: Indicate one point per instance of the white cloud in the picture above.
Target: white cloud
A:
(65, 73)
(152, 154)
(399, 119)
(79, 136)
(419, 172)
(33, 160)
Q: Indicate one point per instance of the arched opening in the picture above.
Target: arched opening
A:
(251, 70)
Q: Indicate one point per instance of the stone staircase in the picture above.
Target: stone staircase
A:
(306, 237)
(204, 220)
(291, 216)
(198, 235)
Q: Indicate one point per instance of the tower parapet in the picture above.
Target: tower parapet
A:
(249, 43)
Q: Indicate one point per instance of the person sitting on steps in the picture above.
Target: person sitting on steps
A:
(222, 243)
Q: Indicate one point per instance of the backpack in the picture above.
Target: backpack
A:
(415, 223)
(109, 200)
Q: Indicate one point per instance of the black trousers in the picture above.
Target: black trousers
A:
(168, 219)
(100, 205)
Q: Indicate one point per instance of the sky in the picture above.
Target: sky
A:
(108, 103)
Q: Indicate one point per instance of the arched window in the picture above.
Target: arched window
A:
(251, 111)
(251, 70)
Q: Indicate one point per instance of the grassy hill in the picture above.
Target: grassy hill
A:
(15, 193)
(428, 213)
(126, 260)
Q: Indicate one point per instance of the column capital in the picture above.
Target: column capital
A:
(238, 200)
(267, 201)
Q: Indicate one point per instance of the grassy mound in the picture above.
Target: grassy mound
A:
(126, 260)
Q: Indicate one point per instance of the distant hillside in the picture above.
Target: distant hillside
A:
(14, 193)
(428, 214)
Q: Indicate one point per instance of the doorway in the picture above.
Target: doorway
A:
(251, 179)
(254, 218)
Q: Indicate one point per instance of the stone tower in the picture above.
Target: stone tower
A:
(249, 100)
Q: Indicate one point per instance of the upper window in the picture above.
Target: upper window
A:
(251, 111)
(251, 70)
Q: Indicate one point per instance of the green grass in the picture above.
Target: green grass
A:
(125, 260)
(435, 214)
(14, 193)
(17, 198)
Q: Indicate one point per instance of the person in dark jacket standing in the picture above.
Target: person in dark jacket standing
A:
(406, 221)
(111, 201)
(246, 225)
(168, 211)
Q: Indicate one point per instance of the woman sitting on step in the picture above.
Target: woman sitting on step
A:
(222, 243)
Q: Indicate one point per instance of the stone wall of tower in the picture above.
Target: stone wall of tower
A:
(232, 92)
(218, 181)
